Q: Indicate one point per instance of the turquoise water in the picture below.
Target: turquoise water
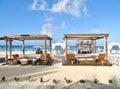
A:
(19, 48)
(58, 48)
(73, 48)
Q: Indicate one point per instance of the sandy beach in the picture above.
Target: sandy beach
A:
(58, 72)
(59, 44)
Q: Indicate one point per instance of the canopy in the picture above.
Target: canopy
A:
(23, 37)
(112, 44)
(92, 37)
(57, 44)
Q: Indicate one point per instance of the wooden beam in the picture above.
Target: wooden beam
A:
(23, 47)
(95, 45)
(10, 44)
(106, 48)
(45, 48)
(65, 46)
(85, 36)
(6, 58)
(27, 36)
(51, 48)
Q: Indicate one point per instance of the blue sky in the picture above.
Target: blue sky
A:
(58, 17)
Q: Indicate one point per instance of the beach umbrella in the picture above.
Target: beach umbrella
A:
(110, 45)
(57, 44)
(115, 47)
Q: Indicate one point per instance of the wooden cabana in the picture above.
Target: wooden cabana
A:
(92, 37)
(22, 37)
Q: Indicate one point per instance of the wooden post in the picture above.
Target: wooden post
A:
(90, 47)
(77, 47)
(65, 46)
(6, 58)
(10, 43)
(106, 48)
(23, 47)
(45, 47)
(94, 46)
(51, 48)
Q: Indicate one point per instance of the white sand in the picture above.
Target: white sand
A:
(75, 73)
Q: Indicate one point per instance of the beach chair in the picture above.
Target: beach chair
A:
(15, 58)
(23, 61)
(43, 60)
(70, 58)
(101, 58)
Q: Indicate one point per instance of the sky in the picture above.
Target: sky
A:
(59, 17)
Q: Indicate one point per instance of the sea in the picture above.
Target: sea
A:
(19, 47)
(58, 48)
(35, 47)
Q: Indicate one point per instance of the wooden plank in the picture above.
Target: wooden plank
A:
(87, 63)
(85, 36)
(28, 36)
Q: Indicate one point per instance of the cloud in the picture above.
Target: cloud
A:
(97, 31)
(72, 7)
(85, 11)
(63, 25)
(48, 18)
(39, 5)
(60, 6)
(49, 29)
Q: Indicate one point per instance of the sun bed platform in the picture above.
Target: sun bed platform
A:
(87, 63)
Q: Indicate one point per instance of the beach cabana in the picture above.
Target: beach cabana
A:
(91, 37)
(22, 37)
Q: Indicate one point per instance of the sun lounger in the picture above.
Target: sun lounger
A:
(45, 61)
(70, 58)
(24, 61)
(15, 58)
(101, 58)
(34, 61)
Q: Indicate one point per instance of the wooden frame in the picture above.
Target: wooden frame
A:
(92, 37)
(22, 37)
